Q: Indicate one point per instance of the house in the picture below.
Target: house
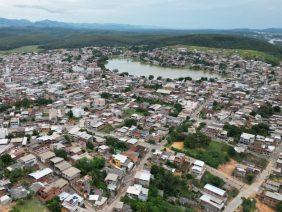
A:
(211, 203)
(272, 186)
(98, 200)
(60, 167)
(5, 200)
(52, 190)
(46, 156)
(28, 160)
(247, 138)
(112, 181)
(118, 207)
(18, 193)
(179, 158)
(142, 177)
(271, 199)
(41, 174)
(214, 191)
(73, 202)
(198, 169)
(14, 122)
(122, 161)
(213, 198)
(138, 191)
(71, 173)
(3, 133)
(56, 160)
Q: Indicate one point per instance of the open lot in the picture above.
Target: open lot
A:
(32, 205)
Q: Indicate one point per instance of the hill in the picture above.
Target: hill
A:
(52, 38)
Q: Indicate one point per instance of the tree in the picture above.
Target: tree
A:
(213, 180)
(151, 77)
(61, 153)
(106, 95)
(250, 177)
(130, 122)
(249, 205)
(70, 114)
(89, 145)
(197, 140)
(35, 133)
(6, 159)
(54, 205)
(279, 207)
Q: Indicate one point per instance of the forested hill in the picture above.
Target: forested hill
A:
(51, 38)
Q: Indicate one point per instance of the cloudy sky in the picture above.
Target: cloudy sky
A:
(189, 14)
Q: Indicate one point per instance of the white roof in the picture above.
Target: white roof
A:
(214, 189)
(4, 141)
(212, 200)
(199, 163)
(135, 189)
(121, 158)
(247, 136)
(93, 197)
(143, 175)
(273, 195)
(132, 141)
(41, 173)
(197, 168)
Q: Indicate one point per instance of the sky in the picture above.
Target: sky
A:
(178, 14)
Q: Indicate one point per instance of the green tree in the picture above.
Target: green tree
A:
(151, 77)
(89, 145)
(249, 205)
(70, 114)
(61, 153)
(6, 159)
(54, 205)
(130, 122)
(279, 207)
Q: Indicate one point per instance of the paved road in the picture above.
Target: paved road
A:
(250, 190)
(253, 189)
(130, 177)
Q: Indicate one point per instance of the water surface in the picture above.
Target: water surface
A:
(141, 69)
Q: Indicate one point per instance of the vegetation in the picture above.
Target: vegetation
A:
(200, 146)
(106, 95)
(279, 206)
(29, 206)
(5, 160)
(54, 205)
(61, 153)
(257, 129)
(94, 169)
(51, 38)
(267, 110)
(208, 178)
(154, 203)
(170, 184)
(116, 145)
(249, 205)
(130, 122)
(20, 50)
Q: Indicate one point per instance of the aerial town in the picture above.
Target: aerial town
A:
(76, 136)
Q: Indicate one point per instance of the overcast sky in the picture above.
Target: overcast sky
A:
(189, 14)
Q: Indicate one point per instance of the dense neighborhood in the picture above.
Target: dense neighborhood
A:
(76, 136)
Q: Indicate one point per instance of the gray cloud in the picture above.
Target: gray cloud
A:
(37, 7)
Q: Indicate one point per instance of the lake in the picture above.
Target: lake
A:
(141, 69)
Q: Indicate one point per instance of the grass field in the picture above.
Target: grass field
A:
(24, 49)
(32, 205)
(246, 54)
